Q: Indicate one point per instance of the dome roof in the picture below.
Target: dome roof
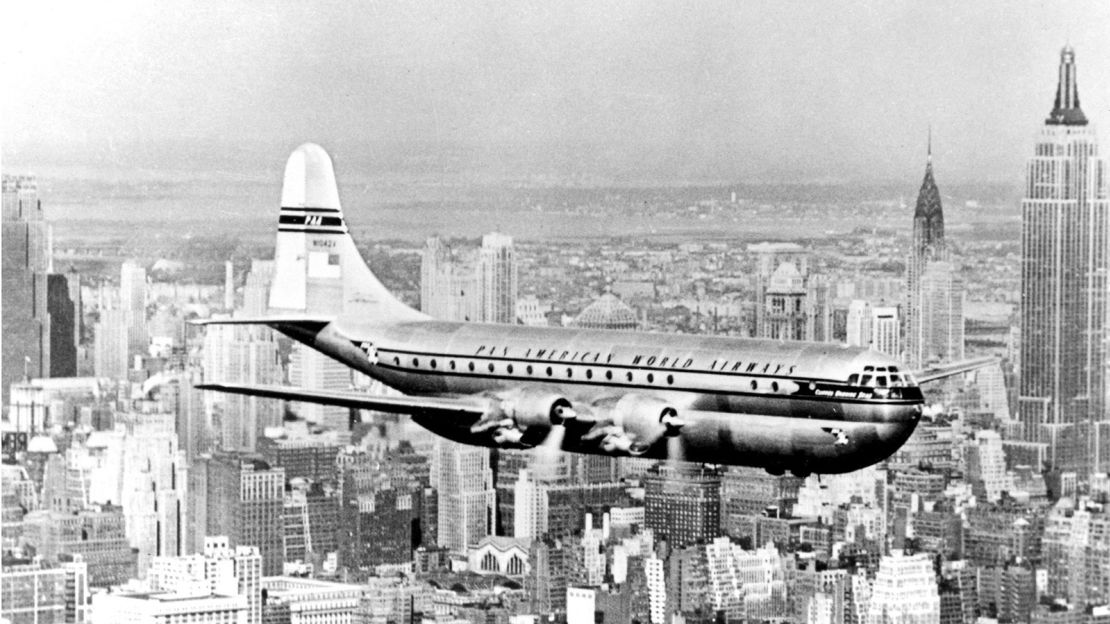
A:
(608, 312)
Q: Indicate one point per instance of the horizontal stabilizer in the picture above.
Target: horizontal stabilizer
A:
(356, 400)
(940, 371)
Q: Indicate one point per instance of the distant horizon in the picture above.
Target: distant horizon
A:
(420, 164)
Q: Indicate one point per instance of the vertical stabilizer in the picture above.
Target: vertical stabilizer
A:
(317, 269)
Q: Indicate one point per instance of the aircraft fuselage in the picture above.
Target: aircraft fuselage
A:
(777, 405)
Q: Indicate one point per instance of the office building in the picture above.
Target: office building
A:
(38, 314)
(217, 570)
(158, 608)
(497, 279)
(750, 493)
(1076, 552)
(747, 584)
(290, 600)
(240, 354)
(32, 592)
(904, 591)
(934, 292)
(380, 526)
(859, 324)
(886, 330)
(464, 285)
(986, 467)
(448, 283)
(463, 479)
(794, 305)
(1065, 286)
(239, 495)
(111, 344)
(64, 321)
(312, 370)
(256, 290)
(97, 534)
(682, 503)
(303, 454)
(139, 467)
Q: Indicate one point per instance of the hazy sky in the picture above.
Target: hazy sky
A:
(733, 90)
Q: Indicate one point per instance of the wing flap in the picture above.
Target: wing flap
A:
(356, 400)
(940, 371)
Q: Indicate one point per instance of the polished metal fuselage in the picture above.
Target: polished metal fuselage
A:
(772, 404)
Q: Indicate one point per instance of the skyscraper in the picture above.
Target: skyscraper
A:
(110, 344)
(885, 330)
(934, 292)
(941, 314)
(682, 503)
(243, 354)
(32, 295)
(244, 500)
(457, 286)
(792, 303)
(448, 283)
(497, 279)
(308, 368)
(905, 590)
(464, 481)
(859, 323)
(1065, 287)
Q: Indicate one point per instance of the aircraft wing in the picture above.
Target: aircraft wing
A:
(940, 371)
(357, 400)
(266, 320)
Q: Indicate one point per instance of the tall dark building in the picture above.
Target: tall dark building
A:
(63, 326)
(381, 527)
(387, 510)
(245, 501)
(682, 503)
(1065, 287)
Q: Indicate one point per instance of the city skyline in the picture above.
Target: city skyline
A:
(292, 416)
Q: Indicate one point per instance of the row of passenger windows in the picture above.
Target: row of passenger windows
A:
(551, 372)
(530, 370)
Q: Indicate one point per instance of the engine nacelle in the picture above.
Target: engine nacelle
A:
(523, 417)
(633, 424)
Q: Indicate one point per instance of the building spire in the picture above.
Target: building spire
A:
(1065, 109)
(929, 152)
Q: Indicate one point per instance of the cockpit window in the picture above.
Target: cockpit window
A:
(895, 380)
(853, 379)
(893, 369)
(880, 381)
(866, 381)
(868, 369)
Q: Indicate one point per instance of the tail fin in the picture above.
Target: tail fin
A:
(317, 269)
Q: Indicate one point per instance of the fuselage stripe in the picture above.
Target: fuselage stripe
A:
(618, 384)
(326, 210)
(304, 230)
(700, 371)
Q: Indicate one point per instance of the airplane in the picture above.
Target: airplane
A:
(803, 407)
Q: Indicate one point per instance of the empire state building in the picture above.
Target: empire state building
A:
(1062, 398)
